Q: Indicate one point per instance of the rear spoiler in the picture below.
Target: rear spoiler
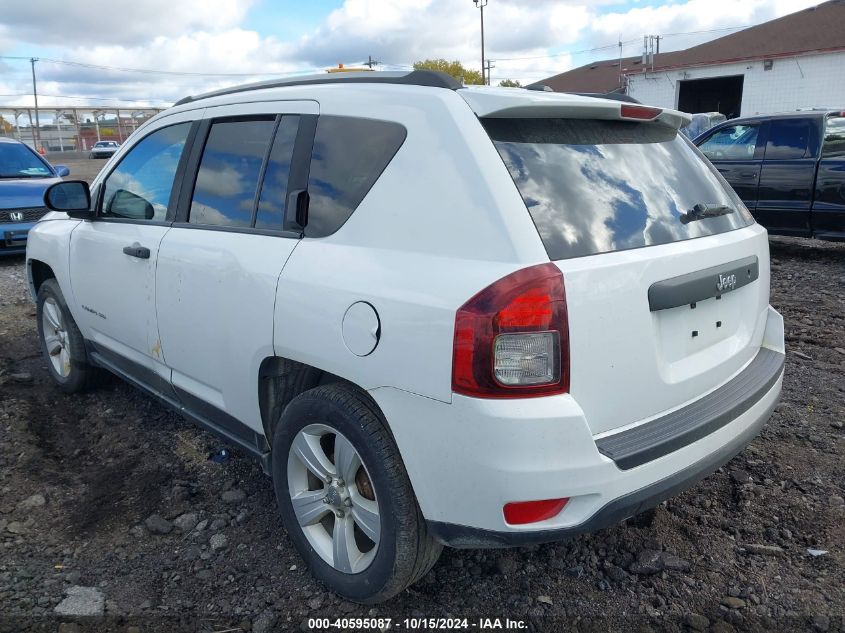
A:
(507, 103)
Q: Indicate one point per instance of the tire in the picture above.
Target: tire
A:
(68, 367)
(403, 550)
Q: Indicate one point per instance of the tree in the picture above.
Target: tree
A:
(510, 83)
(455, 68)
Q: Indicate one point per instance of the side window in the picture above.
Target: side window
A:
(834, 138)
(139, 187)
(271, 204)
(227, 181)
(348, 157)
(734, 142)
(788, 139)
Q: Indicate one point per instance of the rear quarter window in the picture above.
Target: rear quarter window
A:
(348, 157)
(601, 186)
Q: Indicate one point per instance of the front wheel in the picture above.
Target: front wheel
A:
(345, 497)
(61, 341)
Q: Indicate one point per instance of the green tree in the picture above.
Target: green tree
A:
(455, 68)
(510, 83)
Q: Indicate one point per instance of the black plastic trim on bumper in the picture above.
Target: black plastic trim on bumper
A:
(462, 536)
(675, 430)
(703, 284)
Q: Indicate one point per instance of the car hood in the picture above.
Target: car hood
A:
(24, 192)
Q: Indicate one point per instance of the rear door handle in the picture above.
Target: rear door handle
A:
(748, 175)
(136, 250)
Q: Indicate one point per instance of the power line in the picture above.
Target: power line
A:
(562, 53)
(186, 73)
(724, 28)
(153, 71)
(616, 45)
(118, 99)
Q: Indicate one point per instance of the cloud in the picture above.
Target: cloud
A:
(694, 15)
(203, 36)
(123, 22)
(401, 33)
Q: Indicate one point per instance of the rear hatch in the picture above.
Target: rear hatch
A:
(666, 276)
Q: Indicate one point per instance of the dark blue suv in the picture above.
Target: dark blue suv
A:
(24, 175)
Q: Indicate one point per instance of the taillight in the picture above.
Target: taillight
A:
(644, 113)
(523, 512)
(512, 338)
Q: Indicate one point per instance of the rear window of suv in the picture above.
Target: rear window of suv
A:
(600, 186)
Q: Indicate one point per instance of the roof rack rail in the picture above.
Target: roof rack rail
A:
(431, 78)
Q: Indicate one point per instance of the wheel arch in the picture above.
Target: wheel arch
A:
(281, 379)
(37, 273)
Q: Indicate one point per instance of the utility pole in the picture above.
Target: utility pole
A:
(490, 66)
(657, 39)
(481, 4)
(371, 62)
(37, 136)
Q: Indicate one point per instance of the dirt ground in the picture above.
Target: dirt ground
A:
(81, 476)
(80, 168)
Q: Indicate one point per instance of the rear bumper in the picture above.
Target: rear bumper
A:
(467, 459)
(618, 510)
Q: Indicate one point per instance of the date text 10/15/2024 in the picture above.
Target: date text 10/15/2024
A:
(415, 624)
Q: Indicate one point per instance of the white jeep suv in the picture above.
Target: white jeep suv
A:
(436, 314)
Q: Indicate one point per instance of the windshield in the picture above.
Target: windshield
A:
(600, 186)
(18, 161)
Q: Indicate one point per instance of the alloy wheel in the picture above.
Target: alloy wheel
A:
(56, 337)
(333, 498)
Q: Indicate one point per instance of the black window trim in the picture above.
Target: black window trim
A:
(189, 176)
(300, 169)
(262, 171)
(174, 191)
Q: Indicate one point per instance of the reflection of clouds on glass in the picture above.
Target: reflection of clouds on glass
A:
(587, 199)
(220, 179)
(349, 155)
(148, 170)
(228, 175)
(204, 214)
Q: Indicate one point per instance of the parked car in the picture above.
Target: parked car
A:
(789, 169)
(104, 149)
(24, 176)
(477, 317)
(701, 122)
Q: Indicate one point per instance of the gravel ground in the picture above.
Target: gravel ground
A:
(109, 505)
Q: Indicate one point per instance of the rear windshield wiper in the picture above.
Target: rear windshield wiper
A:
(701, 211)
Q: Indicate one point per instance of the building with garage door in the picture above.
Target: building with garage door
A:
(794, 62)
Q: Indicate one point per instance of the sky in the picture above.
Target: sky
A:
(153, 52)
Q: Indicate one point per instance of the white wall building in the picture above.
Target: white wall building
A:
(797, 61)
(790, 83)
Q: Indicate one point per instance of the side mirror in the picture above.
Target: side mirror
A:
(126, 204)
(72, 197)
(61, 171)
